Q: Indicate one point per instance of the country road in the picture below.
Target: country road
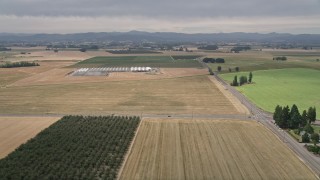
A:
(266, 119)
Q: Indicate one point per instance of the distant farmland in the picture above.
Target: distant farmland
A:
(210, 149)
(282, 87)
(127, 61)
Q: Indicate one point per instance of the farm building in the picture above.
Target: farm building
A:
(104, 71)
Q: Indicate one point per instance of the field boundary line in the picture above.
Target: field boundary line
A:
(129, 151)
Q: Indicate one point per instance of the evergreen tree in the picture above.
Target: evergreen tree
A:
(304, 118)
(285, 116)
(250, 77)
(235, 81)
(315, 138)
(243, 80)
(295, 118)
(277, 116)
(308, 129)
(305, 138)
(312, 114)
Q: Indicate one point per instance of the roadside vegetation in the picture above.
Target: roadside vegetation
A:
(299, 125)
(75, 147)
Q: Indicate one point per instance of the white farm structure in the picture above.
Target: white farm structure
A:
(104, 71)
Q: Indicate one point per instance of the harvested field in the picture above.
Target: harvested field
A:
(15, 131)
(210, 149)
(11, 75)
(60, 76)
(183, 95)
(61, 55)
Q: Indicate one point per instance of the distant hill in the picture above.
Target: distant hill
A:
(138, 36)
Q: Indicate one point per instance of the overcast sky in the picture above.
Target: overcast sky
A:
(188, 16)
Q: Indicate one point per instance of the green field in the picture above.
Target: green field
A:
(151, 61)
(282, 87)
(256, 60)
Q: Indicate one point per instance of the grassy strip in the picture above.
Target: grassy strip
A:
(295, 136)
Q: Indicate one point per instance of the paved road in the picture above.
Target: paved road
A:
(266, 119)
(163, 116)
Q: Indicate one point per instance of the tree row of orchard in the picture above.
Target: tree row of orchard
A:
(242, 80)
(18, 64)
(213, 60)
(75, 147)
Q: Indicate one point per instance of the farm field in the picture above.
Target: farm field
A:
(11, 75)
(60, 76)
(75, 147)
(127, 61)
(262, 60)
(282, 87)
(183, 95)
(210, 149)
(42, 55)
(15, 131)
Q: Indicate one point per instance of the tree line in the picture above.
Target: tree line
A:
(213, 60)
(18, 64)
(300, 124)
(237, 49)
(291, 118)
(242, 80)
(280, 58)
